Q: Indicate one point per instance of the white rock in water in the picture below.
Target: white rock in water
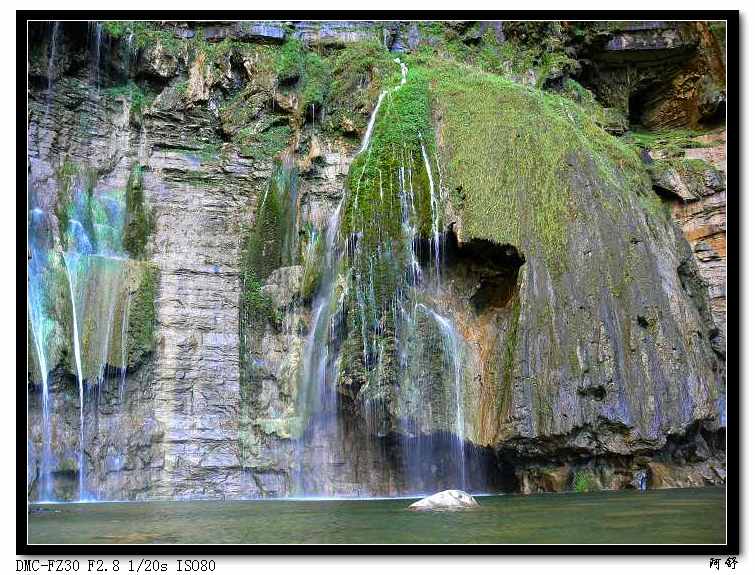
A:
(449, 500)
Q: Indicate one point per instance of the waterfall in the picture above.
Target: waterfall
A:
(71, 260)
(435, 244)
(95, 38)
(124, 348)
(129, 50)
(97, 275)
(371, 123)
(41, 328)
(51, 65)
(384, 314)
(404, 71)
(37, 323)
(454, 350)
(428, 397)
(317, 398)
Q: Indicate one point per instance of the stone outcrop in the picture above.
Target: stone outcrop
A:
(449, 500)
(661, 74)
(698, 185)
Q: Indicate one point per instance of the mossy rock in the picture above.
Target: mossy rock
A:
(142, 314)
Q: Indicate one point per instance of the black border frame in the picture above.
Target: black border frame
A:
(734, 453)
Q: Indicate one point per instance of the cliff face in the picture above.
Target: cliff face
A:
(268, 259)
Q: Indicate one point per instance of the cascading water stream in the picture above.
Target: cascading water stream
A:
(95, 35)
(435, 243)
(71, 261)
(51, 65)
(124, 349)
(453, 350)
(88, 256)
(37, 322)
(317, 398)
(371, 123)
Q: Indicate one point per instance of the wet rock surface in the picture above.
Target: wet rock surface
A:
(614, 369)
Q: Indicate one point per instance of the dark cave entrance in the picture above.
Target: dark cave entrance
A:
(642, 100)
(716, 119)
(497, 265)
(637, 105)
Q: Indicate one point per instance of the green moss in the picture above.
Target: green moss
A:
(139, 99)
(139, 222)
(402, 124)
(316, 79)
(269, 244)
(393, 162)
(263, 144)
(672, 142)
(359, 72)
(116, 28)
(510, 151)
(142, 315)
(182, 88)
(144, 34)
(290, 62)
(257, 307)
(529, 48)
(585, 481)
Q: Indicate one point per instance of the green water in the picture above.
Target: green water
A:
(663, 516)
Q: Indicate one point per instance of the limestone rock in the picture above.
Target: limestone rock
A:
(201, 79)
(283, 285)
(159, 62)
(449, 500)
(661, 74)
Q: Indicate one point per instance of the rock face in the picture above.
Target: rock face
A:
(661, 74)
(449, 500)
(578, 333)
(698, 188)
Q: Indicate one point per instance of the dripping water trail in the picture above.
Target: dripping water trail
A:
(318, 400)
(71, 261)
(124, 348)
(453, 350)
(51, 65)
(371, 124)
(95, 38)
(434, 209)
(45, 463)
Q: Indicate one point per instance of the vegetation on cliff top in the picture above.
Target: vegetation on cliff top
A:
(509, 150)
(388, 182)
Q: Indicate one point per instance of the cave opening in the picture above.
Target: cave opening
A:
(716, 119)
(497, 265)
(636, 106)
